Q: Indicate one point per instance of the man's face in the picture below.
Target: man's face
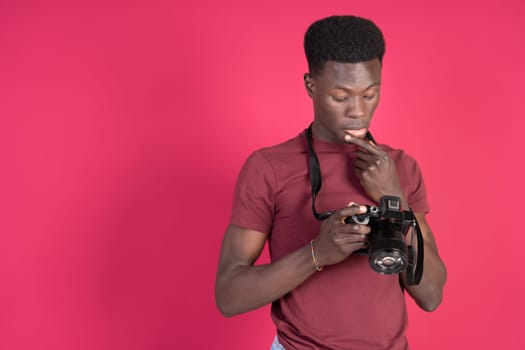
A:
(345, 96)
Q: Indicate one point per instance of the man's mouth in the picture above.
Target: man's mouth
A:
(360, 133)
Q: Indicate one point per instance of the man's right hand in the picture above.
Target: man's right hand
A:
(338, 240)
(241, 286)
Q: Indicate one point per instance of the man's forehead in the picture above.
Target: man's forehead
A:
(359, 74)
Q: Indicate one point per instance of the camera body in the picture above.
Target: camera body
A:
(387, 251)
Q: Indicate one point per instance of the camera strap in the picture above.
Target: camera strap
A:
(315, 172)
(413, 275)
(315, 176)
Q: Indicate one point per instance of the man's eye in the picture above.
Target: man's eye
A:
(369, 97)
(340, 98)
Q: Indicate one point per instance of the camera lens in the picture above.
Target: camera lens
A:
(388, 253)
(388, 261)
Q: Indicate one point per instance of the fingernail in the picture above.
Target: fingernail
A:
(362, 208)
(348, 137)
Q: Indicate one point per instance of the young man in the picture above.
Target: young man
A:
(323, 294)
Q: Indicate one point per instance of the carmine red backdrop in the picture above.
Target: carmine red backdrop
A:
(124, 125)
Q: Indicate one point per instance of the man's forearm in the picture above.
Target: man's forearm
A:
(246, 288)
(429, 292)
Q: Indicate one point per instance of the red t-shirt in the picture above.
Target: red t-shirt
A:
(347, 305)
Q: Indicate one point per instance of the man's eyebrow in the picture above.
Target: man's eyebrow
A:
(340, 87)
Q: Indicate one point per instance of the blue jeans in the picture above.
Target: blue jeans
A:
(276, 345)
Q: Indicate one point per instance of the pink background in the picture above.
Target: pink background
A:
(124, 125)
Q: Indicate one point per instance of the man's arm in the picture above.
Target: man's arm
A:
(429, 292)
(241, 286)
(378, 175)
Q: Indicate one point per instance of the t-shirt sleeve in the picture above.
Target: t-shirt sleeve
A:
(254, 196)
(415, 191)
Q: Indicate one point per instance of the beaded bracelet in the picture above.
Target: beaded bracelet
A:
(314, 260)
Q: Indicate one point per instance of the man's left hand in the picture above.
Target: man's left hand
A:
(376, 171)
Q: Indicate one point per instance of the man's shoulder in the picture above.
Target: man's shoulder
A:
(294, 145)
(278, 162)
(280, 159)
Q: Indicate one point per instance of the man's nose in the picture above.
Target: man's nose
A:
(355, 107)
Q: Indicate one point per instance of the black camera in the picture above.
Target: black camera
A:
(387, 250)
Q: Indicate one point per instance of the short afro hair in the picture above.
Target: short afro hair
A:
(347, 39)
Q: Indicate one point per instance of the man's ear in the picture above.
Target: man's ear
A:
(309, 84)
